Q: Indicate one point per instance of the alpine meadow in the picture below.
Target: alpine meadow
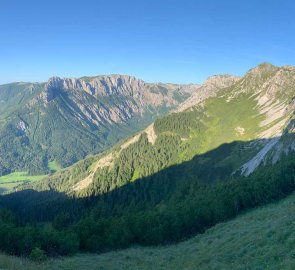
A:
(168, 167)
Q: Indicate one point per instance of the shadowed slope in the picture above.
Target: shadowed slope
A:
(262, 238)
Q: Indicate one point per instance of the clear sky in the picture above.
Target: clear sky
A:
(179, 41)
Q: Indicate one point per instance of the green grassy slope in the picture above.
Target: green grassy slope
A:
(263, 238)
(9, 181)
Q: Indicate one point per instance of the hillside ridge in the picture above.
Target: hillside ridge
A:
(256, 110)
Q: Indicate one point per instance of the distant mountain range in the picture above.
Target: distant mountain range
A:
(227, 126)
(64, 120)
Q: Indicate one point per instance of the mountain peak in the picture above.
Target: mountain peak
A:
(288, 67)
(49, 91)
(222, 80)
(208, 89)
(53, 81)
(262, 68)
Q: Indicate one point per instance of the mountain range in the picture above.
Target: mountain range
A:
(64, 120)
(252, 116)
(198, 155)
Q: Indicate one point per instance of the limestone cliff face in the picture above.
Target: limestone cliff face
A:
(114, 98)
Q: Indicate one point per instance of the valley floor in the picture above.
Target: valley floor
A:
(10, 181)
(263, 238)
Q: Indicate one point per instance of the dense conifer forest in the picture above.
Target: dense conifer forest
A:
(161, 209)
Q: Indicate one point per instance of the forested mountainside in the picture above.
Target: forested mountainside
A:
(231, 151)
(253, 119)
(262, 238)
(64, 120)
(156, 210)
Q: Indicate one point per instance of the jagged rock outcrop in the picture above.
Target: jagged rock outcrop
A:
(210, 88)
(126, 95)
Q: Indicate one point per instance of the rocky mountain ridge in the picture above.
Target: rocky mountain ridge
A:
(133, 96)
(95, 112)
(251, 116)
(208, 89)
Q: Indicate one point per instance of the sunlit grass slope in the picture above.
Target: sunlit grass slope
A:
(9, 181)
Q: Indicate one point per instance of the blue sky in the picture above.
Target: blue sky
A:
(157, 40)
